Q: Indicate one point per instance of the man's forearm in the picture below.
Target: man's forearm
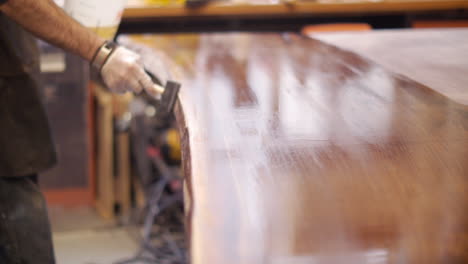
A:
(49, 22)
(120, 69)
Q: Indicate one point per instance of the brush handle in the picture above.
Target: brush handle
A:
(158, 86)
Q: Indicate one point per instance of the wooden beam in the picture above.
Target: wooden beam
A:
(139, 11)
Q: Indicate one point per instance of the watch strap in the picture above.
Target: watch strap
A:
(102, 55)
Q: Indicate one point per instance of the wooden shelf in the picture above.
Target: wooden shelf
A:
(139, 10)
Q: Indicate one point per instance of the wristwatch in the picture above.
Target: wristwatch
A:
(102, 55)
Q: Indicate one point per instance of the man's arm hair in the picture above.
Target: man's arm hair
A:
(49, 22)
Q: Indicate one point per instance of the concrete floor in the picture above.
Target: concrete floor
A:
(81, 237)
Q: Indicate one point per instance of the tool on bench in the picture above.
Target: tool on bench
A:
(166, 103)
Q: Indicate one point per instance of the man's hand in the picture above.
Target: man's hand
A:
(124, 72)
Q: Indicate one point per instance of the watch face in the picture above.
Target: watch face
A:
(109, 45)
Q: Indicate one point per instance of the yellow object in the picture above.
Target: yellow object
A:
(105, 32)
(173, 140)
(165, 2)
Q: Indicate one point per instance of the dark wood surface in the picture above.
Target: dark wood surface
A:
(434, 58)
(299, 152)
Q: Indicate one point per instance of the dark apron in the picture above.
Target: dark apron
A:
(25, 143)
(26, 149)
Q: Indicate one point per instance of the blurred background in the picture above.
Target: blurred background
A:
(119, 162)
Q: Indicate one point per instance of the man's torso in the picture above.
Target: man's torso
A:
(26, 145)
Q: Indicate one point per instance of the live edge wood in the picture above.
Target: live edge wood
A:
(299, 152)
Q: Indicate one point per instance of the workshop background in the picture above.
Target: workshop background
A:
(119, 161)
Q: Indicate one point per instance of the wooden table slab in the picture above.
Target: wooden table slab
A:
(298, 152)
(138, 9)
(434, 58)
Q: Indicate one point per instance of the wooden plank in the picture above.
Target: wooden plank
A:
(113, 186)
(300, 152)
(105, 149)
(440, 24)
(139, 10)
(436, 58)
(122, 160)
(123, 183)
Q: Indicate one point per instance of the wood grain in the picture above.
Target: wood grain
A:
(436, 58)
(300, 152)
(139, 10)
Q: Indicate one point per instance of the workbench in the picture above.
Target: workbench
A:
(297, 151)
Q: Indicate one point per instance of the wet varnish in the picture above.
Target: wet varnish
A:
(299, 152)
(436, 58)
